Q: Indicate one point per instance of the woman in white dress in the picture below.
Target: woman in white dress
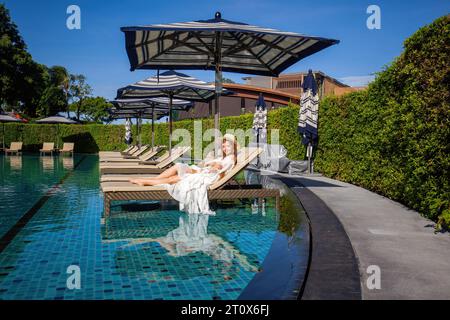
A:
(179, 171)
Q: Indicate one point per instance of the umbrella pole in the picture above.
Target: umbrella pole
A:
(137, 131)
(308, 152)
(257, 145)
(140, 131)
(3, 137)
(170, 125)
(218, 84)
(153, 125)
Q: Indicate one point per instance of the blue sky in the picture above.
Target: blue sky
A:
(98, 49)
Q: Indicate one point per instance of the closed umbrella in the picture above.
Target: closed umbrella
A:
(128, 137)
(309, 112)
(172, 85)
(220, 45)
(6, 118)
(57, 120)
(260, 126)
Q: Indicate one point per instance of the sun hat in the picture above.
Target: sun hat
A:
(232, 138)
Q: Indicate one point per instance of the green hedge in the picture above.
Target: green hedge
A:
(394, 137)
(92, 138)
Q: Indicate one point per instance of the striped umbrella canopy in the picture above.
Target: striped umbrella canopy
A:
(6, 118)
(161, 103)
(220, 45)
(138, 113)
(169, 84)
(308, 114)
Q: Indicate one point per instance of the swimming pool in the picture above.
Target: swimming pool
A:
(51, 217)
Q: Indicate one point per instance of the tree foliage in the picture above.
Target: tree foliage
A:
(94, 109)
(22, 80)
(78, 91)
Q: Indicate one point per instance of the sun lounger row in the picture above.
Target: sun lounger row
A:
(131, 150)
(135, 157)
(144, 167)
(47, 148)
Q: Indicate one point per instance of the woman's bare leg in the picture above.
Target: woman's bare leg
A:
(155, 181)
(171, 172)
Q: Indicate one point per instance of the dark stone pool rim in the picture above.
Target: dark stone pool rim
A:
(333, 272)
(285, 267)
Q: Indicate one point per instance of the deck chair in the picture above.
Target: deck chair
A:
(143, 166)
(47, 147)
(136, 151)
(14, 148)
(67, 148)
(222, 189)
(111, 153)
(131, 151)
(134, 159)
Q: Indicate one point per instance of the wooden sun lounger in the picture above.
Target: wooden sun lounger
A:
(124, 177)
(14, 148)
(130, 152)
(221, 189)
(143, 166)
(113, 153)
(47, 147)
(67, 148)
(134, 159)
(135, 151)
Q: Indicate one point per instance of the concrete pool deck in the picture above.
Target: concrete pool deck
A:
(413, 260)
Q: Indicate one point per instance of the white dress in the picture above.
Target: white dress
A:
(192, 190)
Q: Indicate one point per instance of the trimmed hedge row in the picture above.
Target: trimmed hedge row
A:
(394, 138)
(92, 138)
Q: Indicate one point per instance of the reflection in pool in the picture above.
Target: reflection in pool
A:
(143, 250)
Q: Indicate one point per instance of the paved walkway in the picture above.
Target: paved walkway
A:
(414, 261)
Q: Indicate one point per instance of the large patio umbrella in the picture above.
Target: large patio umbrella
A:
(172, 85)
(6, 118)
(260, 125)
(220, 45)
(57, 119)
(308, 115)
(159, 105)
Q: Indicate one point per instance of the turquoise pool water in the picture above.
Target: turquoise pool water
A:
(51, 214)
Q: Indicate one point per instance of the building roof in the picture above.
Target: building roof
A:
(252, 92)
(295, 74)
